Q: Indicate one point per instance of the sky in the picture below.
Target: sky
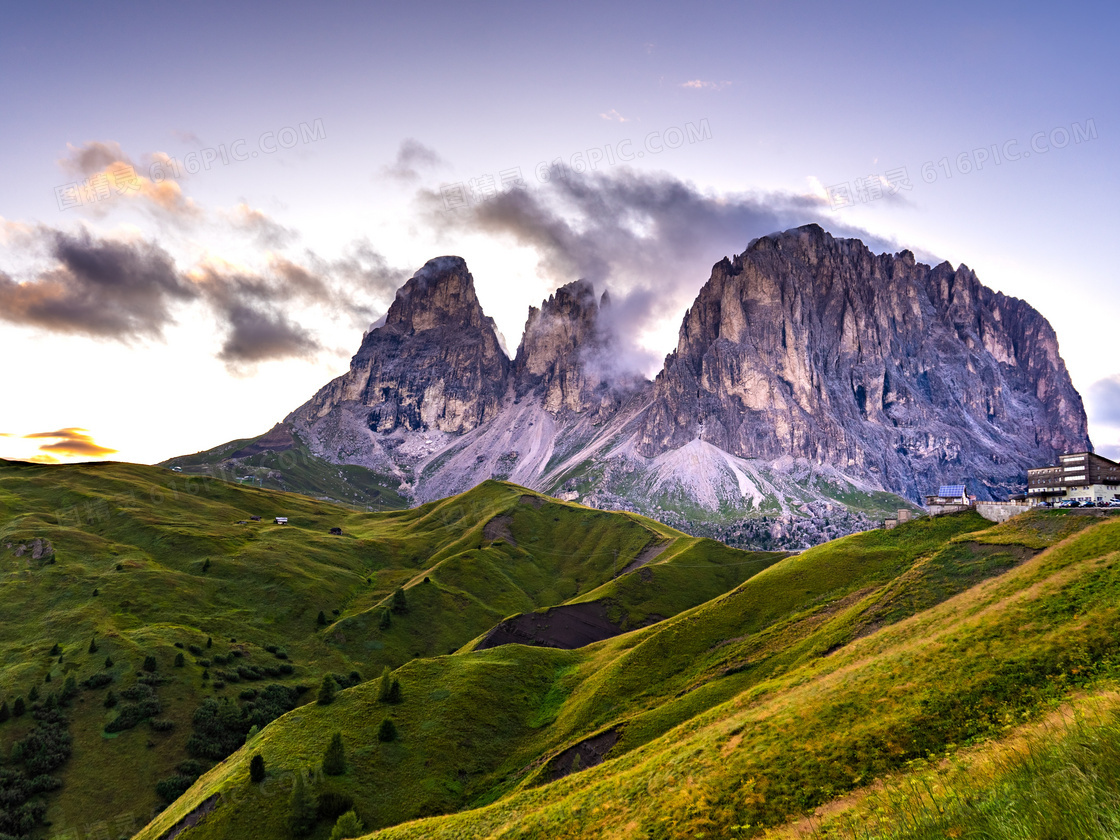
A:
(204, 207)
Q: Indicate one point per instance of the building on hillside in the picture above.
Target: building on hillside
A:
(949, 498)
(1080, 476)
(281, 520)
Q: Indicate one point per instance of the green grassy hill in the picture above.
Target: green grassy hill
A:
(279, 460)
(851, 662)
(160, 589)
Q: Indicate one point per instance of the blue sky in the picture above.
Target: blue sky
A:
(357, 123)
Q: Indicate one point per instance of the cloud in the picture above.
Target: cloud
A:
(263, 334)
(700, 84)
(109, 174)
(92, 157)
(1104, 401)
(187, 137)
(99, 288)
(412, 157)
(649, 238)
(72, 442)
(267, 232)
(614, 116)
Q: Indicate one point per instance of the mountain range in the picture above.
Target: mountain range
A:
(814, 386)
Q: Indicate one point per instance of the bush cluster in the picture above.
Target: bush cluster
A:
(142, 704)
(27, 774)
(219, 726)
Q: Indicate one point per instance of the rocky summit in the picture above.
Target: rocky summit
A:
(814, 383)
(811, 347)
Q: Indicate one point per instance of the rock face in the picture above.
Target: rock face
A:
(811, 347)
(563, 353)
(436, 362)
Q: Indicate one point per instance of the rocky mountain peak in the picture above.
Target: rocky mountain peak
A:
(560, 349)
(440, 294)
(813, 347)
(436, 362)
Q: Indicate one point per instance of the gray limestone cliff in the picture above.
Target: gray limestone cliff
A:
(812, 347)
(436, 362)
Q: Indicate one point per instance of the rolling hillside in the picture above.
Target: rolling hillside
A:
(848, 663)
(149, 621)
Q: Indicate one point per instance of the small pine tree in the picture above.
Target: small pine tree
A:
(56, 650)
(302, 807)
(386, 620)
(322, 619)
(395, 695)
(334, 759)
(385, 685)
(93, 645)
(110, 699)
(206, 675)
(574, 768)
(348, 825)
(19, 707)
(256, 769)
(209, 642)
(179, 660)
(47, 678)
(253, 732)
(327, 690)
(69, 689)
(5, 712)
(150, 663)
(400, 601)
(206, 565)
(33, 694)
(108, 662)
(387, 731)
(96, 593)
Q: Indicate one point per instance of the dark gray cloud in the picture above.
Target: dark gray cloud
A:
(123, 291)
(1104, 401)
(261, 334)
(99, 288)
(650, 238)
(412, 157)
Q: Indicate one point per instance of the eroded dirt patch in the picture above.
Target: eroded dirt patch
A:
(191, 819)
(590, 752)
(498, 528)
(567, 627)
(647, 555)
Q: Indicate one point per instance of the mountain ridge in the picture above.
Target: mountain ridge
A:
(833, 382)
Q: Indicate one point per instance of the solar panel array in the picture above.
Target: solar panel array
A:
(955, 491)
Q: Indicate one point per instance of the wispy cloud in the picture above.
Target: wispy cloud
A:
(412, 157)
(263, 228)
(71, 442)
(614, 116)
(119, 175)
(701, 84)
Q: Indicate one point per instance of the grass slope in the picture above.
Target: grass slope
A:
(148, 562)
(813, 677)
